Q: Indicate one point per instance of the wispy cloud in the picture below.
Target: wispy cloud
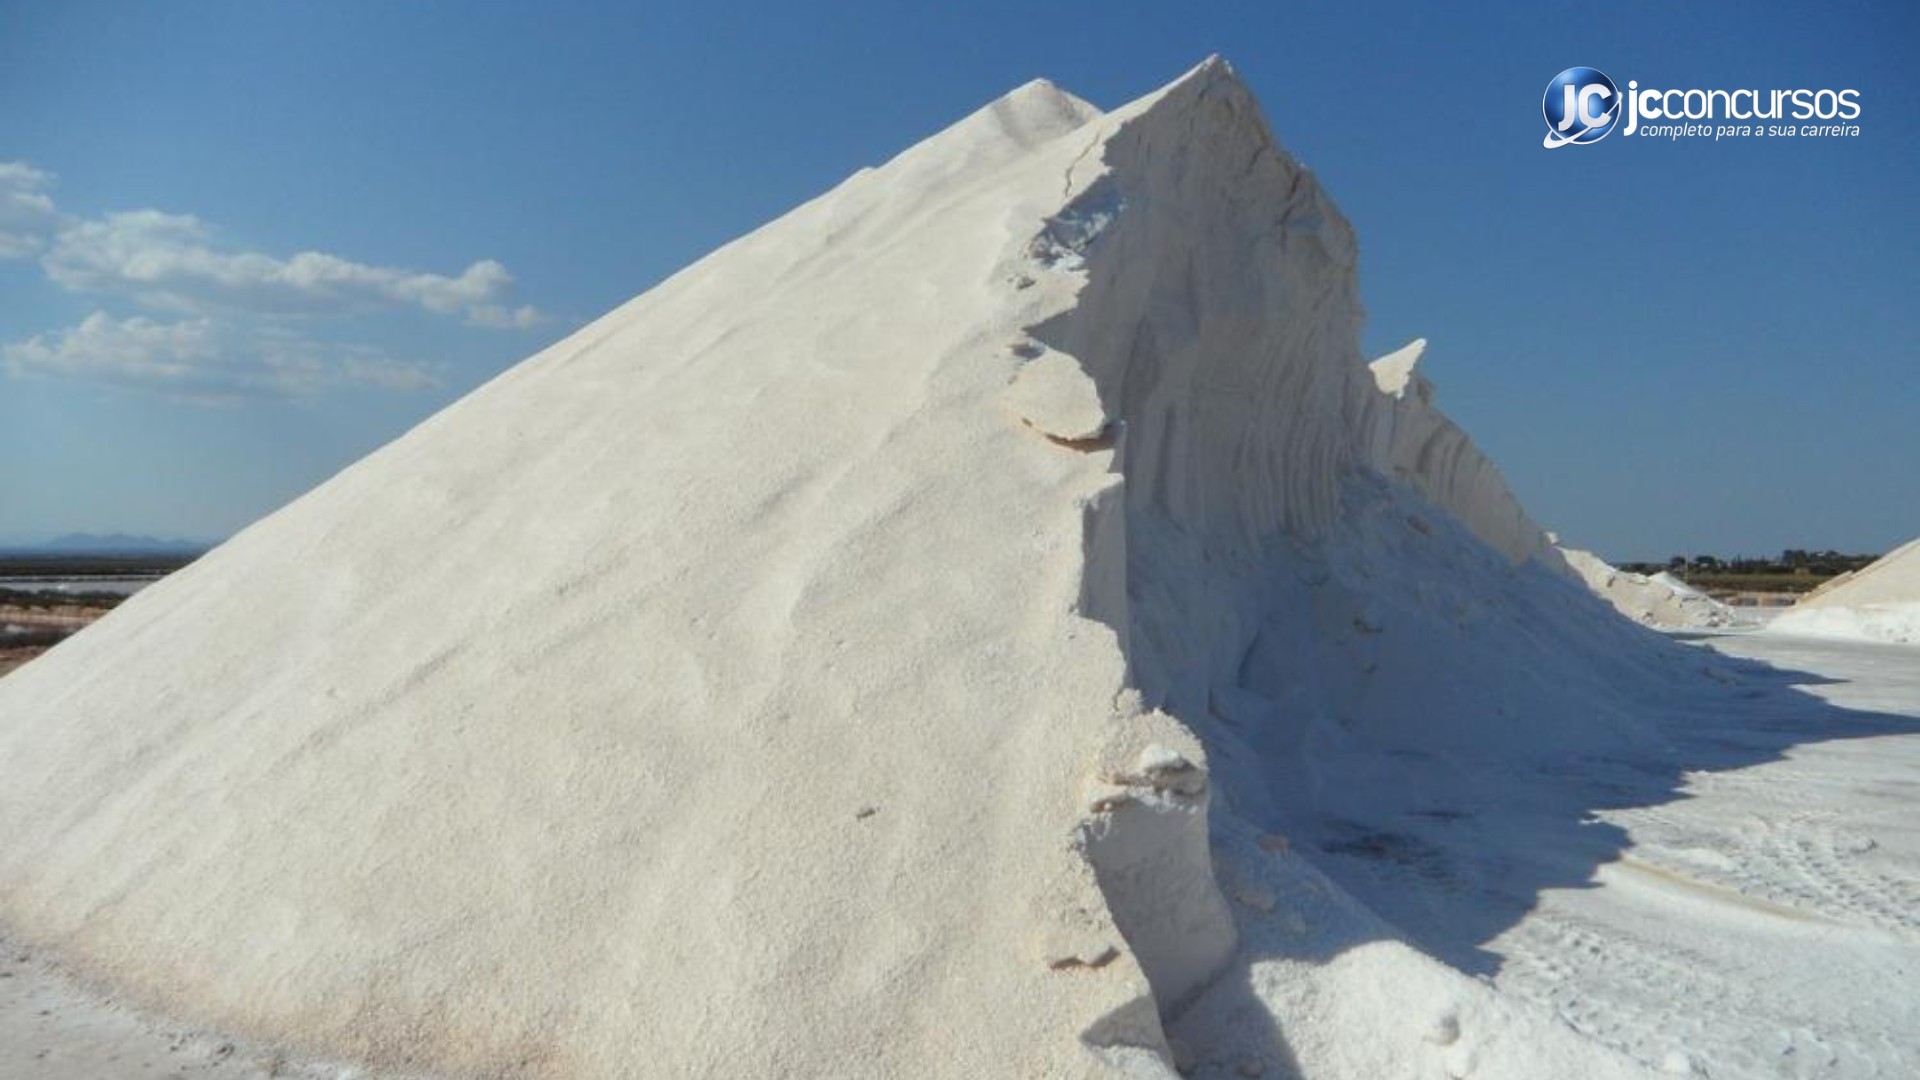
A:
(173, 262)
(27, 213)
(236, 323)
(501, 318)
(205, 361)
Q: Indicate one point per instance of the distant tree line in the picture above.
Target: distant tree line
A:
(55, 598)
(1793, 562)
(61, 564)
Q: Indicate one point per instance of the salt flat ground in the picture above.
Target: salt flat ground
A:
(1746, 906)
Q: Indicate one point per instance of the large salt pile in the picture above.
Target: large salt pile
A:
(804, 669)
(1881, 602)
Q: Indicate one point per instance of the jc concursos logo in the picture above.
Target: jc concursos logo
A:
(1582, 105)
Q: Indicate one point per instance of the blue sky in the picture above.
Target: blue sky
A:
(242, 244)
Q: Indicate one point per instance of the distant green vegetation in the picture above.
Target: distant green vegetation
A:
(15, 564)
(1794, 570)
(1713, 584)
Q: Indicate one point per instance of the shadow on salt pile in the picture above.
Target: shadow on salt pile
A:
(1437, 810)
(1449, 852)
(1391, 708)
(1438, 801)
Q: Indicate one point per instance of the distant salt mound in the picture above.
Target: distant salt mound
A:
(815, 667)
(1894, 578)
(1880, 602)
(1659, 600)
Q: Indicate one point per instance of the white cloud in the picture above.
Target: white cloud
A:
(239, 324)
(27, 213)
(172, 262)
(205, 361)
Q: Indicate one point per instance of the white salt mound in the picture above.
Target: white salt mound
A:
(1894, 578)
(1659, 600)
(816, 667)
(1881, 602)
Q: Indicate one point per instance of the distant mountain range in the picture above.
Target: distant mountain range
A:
(112, 544)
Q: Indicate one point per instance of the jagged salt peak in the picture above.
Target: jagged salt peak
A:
(1393, 373)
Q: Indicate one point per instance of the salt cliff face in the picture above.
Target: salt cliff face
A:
(823, 665)
(1279, 502)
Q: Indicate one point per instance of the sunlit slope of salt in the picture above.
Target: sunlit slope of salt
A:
(702, 696)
